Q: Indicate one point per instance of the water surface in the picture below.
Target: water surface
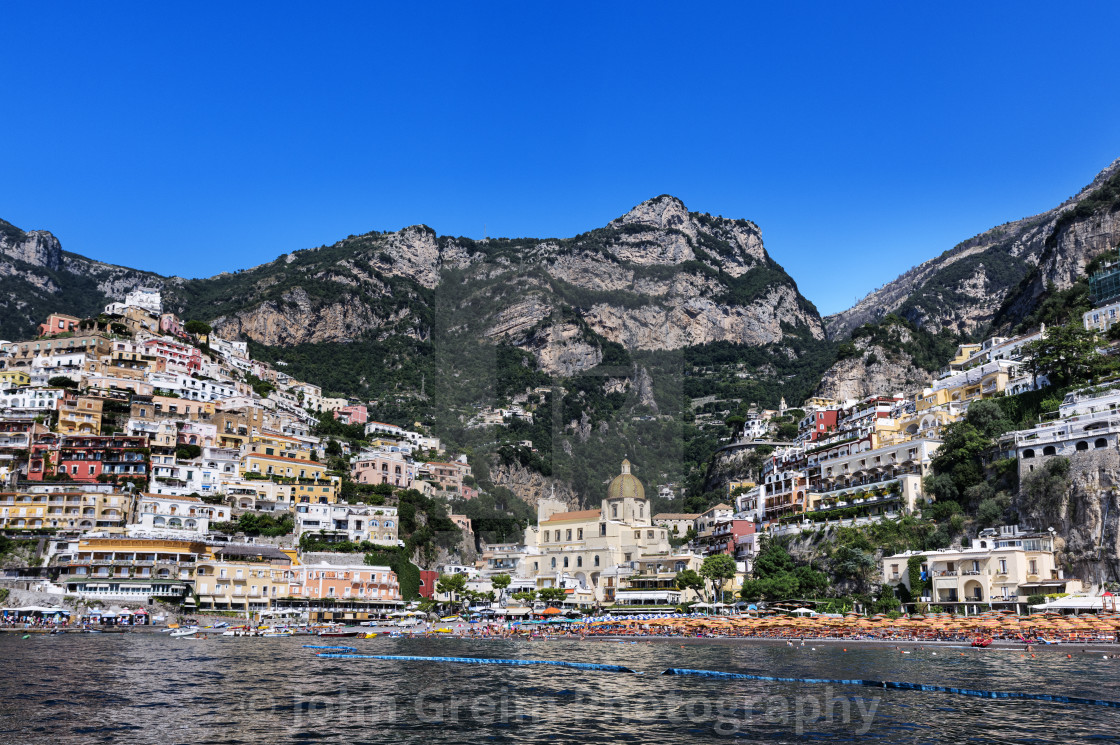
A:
(148, 688)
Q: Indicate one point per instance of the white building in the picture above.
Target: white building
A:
(354, 523)
(142, 297)
(175, 516)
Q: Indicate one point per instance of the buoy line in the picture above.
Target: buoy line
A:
(901, 686)
(321, 646)
(484, 661)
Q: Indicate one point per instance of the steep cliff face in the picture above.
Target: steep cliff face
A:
(659, 277)
(530, 486)
(37, 248)
(994, 277)
(1084, 513)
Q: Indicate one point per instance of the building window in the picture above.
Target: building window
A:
(579, 561)
(568, 534)
(565, 562)
(554, 562)
(602, 529)
(579, 534)
(595, 561)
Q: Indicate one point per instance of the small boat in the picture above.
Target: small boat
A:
(339, 633)
(180, 633)
(981, 642)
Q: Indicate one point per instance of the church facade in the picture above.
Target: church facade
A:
(595, 550)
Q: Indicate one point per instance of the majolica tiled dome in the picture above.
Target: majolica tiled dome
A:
(625, 485)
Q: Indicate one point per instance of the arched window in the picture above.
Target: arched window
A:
(565, 562)
(1081, 445)
(596, 559)
(1100, 443)
(1049, 450)
(614, 511)
(1028, 453)
(579, 561)
(553, 562)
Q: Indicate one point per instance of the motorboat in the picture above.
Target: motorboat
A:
(180, 633)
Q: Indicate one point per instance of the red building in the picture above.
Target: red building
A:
(725, 535)
(819, 423)
(85, 457)
(428, 583)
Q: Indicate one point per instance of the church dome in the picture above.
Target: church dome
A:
(625, 485)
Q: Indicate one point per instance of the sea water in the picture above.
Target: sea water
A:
(148, 688)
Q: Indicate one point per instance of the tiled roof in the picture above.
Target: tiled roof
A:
(577, 515)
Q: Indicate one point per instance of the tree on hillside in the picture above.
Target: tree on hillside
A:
(853, 564)
(775, 576)
(452, 585)
(552, 595)
(688, 579)
(198, 328)
(1066, 355)
(718, 569)
(500, 583)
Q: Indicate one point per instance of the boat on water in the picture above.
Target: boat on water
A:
(339, 633)
(180, 633)
(981, 642)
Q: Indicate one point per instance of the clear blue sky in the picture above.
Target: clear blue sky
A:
(193, 138)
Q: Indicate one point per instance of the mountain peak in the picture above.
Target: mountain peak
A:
(664, 212)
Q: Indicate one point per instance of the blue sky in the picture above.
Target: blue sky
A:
(863, 139)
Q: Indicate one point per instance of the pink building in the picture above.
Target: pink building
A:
(178, 357)
(384, 468)
(356, 414)
(358, 582)
(58, 323)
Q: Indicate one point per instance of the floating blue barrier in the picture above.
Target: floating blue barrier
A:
(900, 686)
(484, 661)
(320, 646)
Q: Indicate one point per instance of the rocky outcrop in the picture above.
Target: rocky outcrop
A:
(35, 247)
(1085, 516)
(530, 486)
(874, 369)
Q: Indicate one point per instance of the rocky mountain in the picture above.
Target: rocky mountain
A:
(965, 288)
(657, 278)
(37, 278)
(993, 283)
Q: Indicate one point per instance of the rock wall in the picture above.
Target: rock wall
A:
(1086, 518)
(531, 487)
(874, 370)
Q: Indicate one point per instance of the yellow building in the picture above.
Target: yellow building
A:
(14, 379)
(274, 465)
(242, 578)
(269, 443)
(70, 510)
(964, 354)
(80, 415)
